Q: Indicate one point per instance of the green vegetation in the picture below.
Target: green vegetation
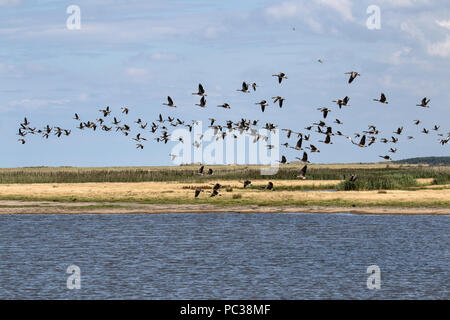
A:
(394, 182)
(188, 174)
(236, 200)
(426, 160)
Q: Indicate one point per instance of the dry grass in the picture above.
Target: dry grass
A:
(167, 192)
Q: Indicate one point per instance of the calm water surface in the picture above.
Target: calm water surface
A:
(224, 256)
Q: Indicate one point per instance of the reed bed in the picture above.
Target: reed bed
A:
(370, 177)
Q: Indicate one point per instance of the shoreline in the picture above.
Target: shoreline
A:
(10, 207)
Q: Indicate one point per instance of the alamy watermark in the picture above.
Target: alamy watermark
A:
(73, 22)
(74, 280)
(374, 20)
(374, 280)
(225, 146)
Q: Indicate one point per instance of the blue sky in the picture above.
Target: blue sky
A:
(135, 53)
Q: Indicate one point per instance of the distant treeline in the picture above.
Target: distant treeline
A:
(433, 161)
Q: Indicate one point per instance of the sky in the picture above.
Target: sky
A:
(137, 52)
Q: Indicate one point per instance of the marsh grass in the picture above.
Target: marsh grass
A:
(441, 174)
(395, 182)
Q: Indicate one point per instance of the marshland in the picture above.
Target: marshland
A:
(328, 186)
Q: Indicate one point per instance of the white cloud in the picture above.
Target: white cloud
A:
(309, 9)
(285, 10)
(9, 3)
(441, 49)
(402, 3)
(163, 56)
(412, 30)
(343, 7)
(444, 23)
(136, 72)
(398, 57)
(38, 103)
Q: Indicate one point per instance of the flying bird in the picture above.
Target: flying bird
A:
(353, 76)
(424, 103)
(280, 76)
(170, 103)
(382, 99)
(302, 174)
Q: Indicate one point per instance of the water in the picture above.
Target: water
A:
(224, 256)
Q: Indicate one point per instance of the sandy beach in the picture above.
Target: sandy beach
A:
(44, 207)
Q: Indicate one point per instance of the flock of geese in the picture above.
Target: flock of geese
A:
(160, 128)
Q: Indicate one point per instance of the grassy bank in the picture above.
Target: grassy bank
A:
(183, 174)
(286, 192)
(326, 186)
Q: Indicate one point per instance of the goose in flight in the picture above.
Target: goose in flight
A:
(200, 170)
(313, 148)
(386, 157)
(343, 102)
(327, 140)
(302, 174)
(382, 99)
(353, 178)
(202, 103)
(399, 131)
(353, 76)
(201, 91)
(125, 110)
(22, 141)
(338, 121)
(169, 103)
(197, 192)
(139, 138)
(244, 88)
(196, 144)
(23, 134)
(298, 146)
(362, 142)
(424, 103)
(106, 111)
(254, 86)
(215, 193)
(425, 131)
(304, 158)
(280, 76)
(76, 117)
(225, 106)
(324, 111)
(263, 104)
(288, 132)
(139, 146)
(283, 160)
(279, 99)
(247, 183)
